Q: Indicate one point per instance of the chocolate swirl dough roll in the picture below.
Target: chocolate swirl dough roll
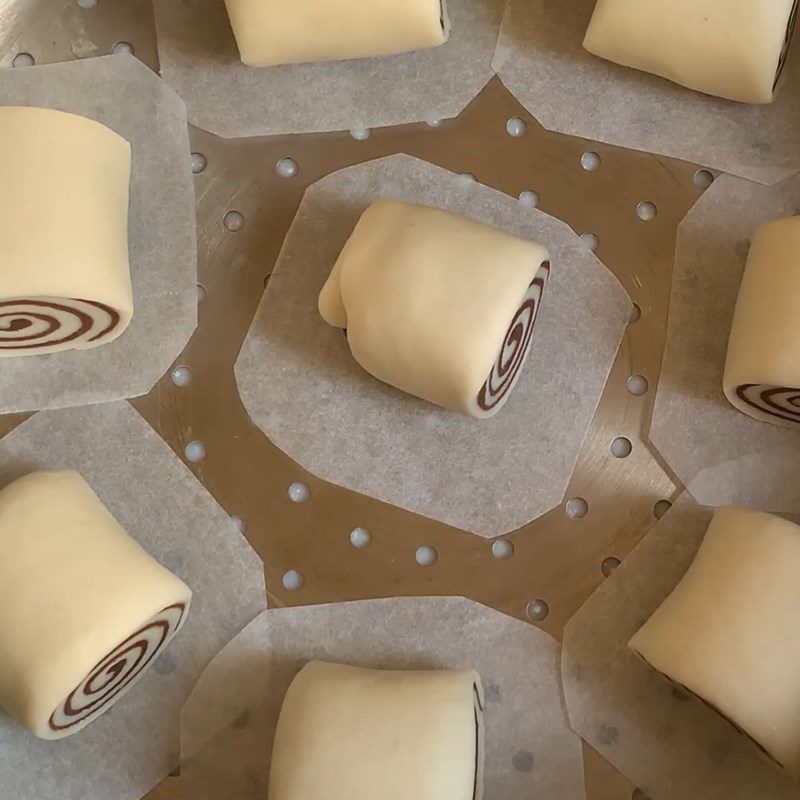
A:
(295, 31)
(729, 632)
(762, 371)
(347, 733)
(733, 49)
(437, 305)
(64, 275)
(83, 609)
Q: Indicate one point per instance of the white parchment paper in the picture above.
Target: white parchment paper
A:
(540, 58)
(303, 388)
(720, 454)
(158, 501)
(669, 743)
(530, 750)
(200, 60)
(120, 92)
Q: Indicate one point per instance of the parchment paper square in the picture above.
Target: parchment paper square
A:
(540, 58)
(302, 387)
(126, 752)
(530, 751)
(123, 94)
(200, 60)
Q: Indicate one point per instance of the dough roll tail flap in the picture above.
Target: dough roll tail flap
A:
(438, 305)
(728, 633)
(300, 31)
(84, 610)
(347, 733)
(762, 370)
(64, 271)
(732, 50)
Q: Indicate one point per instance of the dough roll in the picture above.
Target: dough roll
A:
(347, 733)
(64, 273)
(437, 305)
(762, 371)
(729, 633)
(84, 610)
(733, 49)
(296, 31)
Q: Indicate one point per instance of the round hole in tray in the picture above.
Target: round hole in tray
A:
(638, 385)
(181, 376)
(621, 447)
(516, 127)
(435, 123)
(661, 508)
(360, 134)
(195, 452)
(122, 47)
(360, 538)
(233, 221)
(590, 240)
(201, 293)
(238, 525)
(646, 211)
(537, 610)
(609, 565)
(199, 163)
(466, 178)
(703, 179)
(23, 60)
(293, 580)
(577, 507)
(502, 548)
(287, 168)
(299, 492)
(426, 556)
(591, 161)
(636, 314)
(529, 198)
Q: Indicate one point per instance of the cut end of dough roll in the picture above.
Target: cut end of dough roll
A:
(115, 673)
(304, 31)
(84, 610)
(762, 369)
(38, 325)
(64, 272)
(731, 50)
(728, 632)
(437, 305)
(347, 733)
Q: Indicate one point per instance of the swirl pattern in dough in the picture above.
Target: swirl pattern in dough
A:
(515, 348)
(777, 401)
(29, 325)
(111, 677)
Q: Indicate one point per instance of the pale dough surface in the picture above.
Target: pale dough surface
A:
(347, 733)
(64, 212)
(73, 585)
(729, 630)
(728, 48)
(764, 347)
(297, 31)
(427, 297)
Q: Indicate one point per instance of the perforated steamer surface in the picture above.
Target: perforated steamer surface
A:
(336, 545)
